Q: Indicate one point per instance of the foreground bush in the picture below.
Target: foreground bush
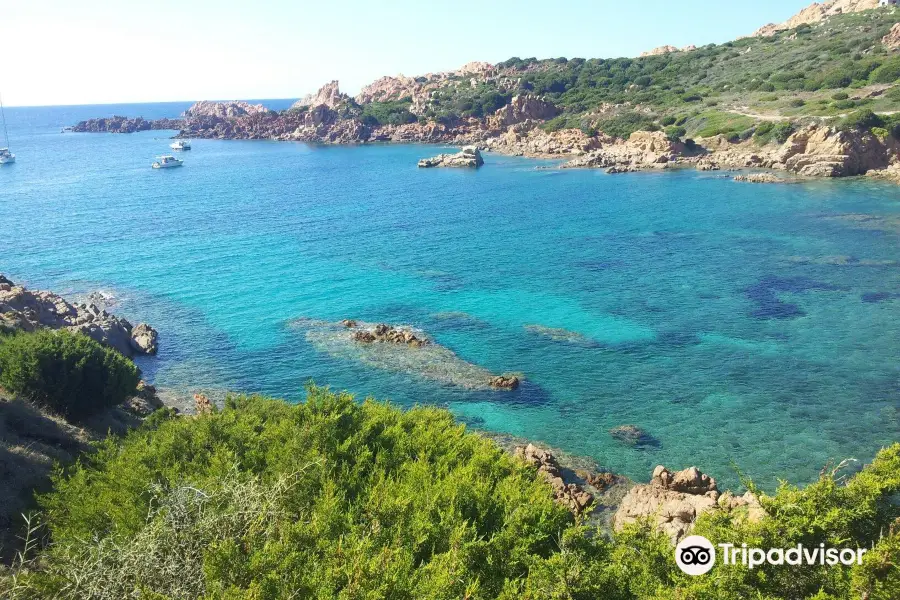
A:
(333, 499)
(68, 373)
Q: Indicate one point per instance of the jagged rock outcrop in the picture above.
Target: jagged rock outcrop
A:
(328, 95)
(24, 309)
(643, 150)
(224, 110)
(526, 139)
(387, 334)
(892, 39)
(469, 157)
(522, 108)
(118, 124)
(673, 501)
(667, 50)
(815, 13)
(571, 495)
(821, 151)
(504, 382)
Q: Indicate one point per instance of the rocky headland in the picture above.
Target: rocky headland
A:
(26, 310)
(119, 124)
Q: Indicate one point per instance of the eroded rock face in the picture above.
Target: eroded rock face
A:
(820, 151)
(571, 495)
(643, 150)
(469, 157)
(522, 108)
(224, 110)
(328, 95)
(26, 310)
(892, 39)
(673, 501)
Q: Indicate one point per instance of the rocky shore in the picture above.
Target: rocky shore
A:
(814, 150)
(125, 125)
(26, 310)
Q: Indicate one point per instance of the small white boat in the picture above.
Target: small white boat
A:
(167, 162)
(6, 157)
(180, 145)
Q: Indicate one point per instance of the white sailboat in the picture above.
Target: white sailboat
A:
(6, 157)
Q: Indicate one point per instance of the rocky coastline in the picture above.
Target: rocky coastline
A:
(26, 310)
(517, 129)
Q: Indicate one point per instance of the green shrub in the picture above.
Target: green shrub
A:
(666, 121)
(675, 133)
(797, 103)
(861, 120)
(840, 96)
(844, 104)
(334, 499)
(623, 125)
(889, 72)
(782, 131)
(324, 499)
(387, 113)
(68, 373)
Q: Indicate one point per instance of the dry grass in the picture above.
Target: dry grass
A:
(32, 442)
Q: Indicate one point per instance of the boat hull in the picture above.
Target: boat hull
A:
(7, 160)
(157, 165)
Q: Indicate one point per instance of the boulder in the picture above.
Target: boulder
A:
(571, 495)
(470, 157)
(387, 334)
(672, 501)
(144, 339)
(504, 382)
(822, 151)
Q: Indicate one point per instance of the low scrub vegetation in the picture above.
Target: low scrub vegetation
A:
(336, 499)
(67, 373)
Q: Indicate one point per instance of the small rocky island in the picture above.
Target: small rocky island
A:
(470, 157)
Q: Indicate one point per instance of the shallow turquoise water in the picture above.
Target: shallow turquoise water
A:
(708, 311)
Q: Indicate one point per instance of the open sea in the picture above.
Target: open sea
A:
(750, 327)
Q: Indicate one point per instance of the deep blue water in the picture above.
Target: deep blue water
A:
(710, 313)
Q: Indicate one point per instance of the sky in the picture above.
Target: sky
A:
(104, 51)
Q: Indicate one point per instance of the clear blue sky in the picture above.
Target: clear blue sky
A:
(104, 51)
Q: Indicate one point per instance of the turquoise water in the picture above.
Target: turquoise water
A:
(711, 314)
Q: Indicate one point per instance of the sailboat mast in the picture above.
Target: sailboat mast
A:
(3, 118)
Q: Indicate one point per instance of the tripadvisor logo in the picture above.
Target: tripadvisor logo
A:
(695, 555)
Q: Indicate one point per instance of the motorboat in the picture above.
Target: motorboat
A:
(180, 145)
(167, 162)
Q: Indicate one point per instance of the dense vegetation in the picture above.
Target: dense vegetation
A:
(387, 113)
(68, 373)
(335, 499)
(812, 71)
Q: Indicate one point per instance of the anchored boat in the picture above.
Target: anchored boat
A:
(180, 145)
(6, 157)
(167, 162)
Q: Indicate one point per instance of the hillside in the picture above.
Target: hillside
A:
(816, 100)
